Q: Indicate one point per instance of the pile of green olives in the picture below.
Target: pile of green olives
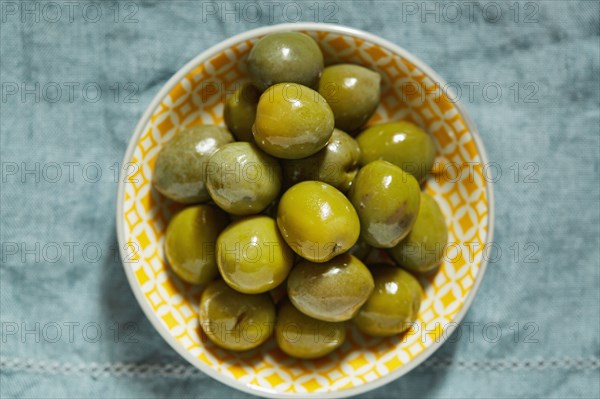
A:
(301, 221)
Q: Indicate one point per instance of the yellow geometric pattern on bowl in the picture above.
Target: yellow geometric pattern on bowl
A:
(457, 184)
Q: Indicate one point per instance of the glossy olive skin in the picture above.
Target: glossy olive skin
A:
(352, 92)
(317, 221)
(252, 256)
(387, 202)
(336, 164)
(292, 121)
(285, 57)
(422, 250)
(394, 303)
(330, 291)
(240, 111)
(190, 241)
(233, 320)
(180, 167)
(241, 179)
(304, 337)
(402, 143)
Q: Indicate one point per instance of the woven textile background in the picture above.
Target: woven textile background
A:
(76, 77)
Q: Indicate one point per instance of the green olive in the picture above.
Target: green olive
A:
(330, 291)
(336, 164)
(292, 121)
(304, 337)
(317, 221)
(402, 143)
(285, 57)
(180, 166)
(394, 303)
(252, 256)
(423, 248)
(240, 111)
(190, 242)
(352, 92)
(386, 199)
(241, 179)
(233, 320)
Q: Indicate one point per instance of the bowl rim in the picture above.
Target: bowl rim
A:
(133, 141)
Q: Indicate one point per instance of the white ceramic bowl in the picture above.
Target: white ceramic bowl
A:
(411, 90)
